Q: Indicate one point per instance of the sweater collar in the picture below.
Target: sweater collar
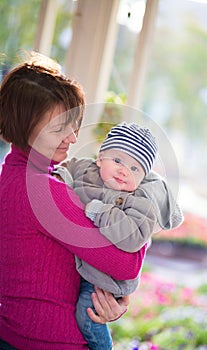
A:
(32, 158)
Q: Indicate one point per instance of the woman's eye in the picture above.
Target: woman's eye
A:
(134, 168)
(58, 130)
(117, 160)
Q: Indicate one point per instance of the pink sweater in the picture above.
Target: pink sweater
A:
(42, 226)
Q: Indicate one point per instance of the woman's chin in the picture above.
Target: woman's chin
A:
(59, 156)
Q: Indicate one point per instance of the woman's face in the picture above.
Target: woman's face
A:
(51, 136)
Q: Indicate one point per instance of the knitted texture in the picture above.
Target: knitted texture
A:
(93, 208)
(39, 284)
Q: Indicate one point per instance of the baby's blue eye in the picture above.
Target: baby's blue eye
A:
(134, 168)
(117, 160)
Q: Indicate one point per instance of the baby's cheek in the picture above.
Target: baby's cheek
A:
(134, 183)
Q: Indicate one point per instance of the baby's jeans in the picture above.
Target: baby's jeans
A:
(97, 335)
(6, 346)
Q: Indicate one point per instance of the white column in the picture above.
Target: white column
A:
(142, 55)
(90, 54)
(46, 26)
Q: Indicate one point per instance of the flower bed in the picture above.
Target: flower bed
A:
(192, 231)
(163, 316)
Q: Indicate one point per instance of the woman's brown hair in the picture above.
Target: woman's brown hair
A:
(29, 91)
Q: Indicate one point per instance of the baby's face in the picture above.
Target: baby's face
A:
(119, 171)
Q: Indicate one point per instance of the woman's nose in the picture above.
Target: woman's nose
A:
(71, 138)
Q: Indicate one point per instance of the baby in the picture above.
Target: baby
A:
(127, 201)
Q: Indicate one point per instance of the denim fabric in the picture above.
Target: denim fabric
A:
(6, 346)
(97, 335)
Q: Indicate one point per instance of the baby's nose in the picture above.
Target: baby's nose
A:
(122, 169)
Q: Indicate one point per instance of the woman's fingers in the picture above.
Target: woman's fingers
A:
(106, 306)
(105, 303)
(93, 316)
(124, 301)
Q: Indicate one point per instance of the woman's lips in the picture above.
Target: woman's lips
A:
(63, 149)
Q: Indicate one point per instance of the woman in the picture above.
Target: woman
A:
(42, 223)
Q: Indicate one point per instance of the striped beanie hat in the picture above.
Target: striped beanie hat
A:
(137, 142)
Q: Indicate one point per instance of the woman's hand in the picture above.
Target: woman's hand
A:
(107, 307)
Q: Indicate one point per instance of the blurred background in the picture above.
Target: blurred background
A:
(137, 60)
(149, 55)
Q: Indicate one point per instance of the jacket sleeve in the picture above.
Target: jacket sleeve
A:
(168, 211)
(128, 222)
(76, 166)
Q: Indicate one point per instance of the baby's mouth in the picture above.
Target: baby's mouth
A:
(117, 179)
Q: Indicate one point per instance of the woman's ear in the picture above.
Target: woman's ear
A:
(99, 159)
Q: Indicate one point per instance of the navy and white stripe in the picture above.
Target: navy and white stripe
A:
(137, 142)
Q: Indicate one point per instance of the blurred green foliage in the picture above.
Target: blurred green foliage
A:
(18, 28)
(111, 115)
(168, 315)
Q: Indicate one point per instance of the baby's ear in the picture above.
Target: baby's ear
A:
(99, 159)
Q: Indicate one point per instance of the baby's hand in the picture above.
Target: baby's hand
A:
(93, 208)
(57, 176)
(62, 174)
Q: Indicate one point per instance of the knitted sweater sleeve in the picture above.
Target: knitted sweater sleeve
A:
(59, 213)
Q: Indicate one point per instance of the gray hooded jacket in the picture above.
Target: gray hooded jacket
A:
(127, 219)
